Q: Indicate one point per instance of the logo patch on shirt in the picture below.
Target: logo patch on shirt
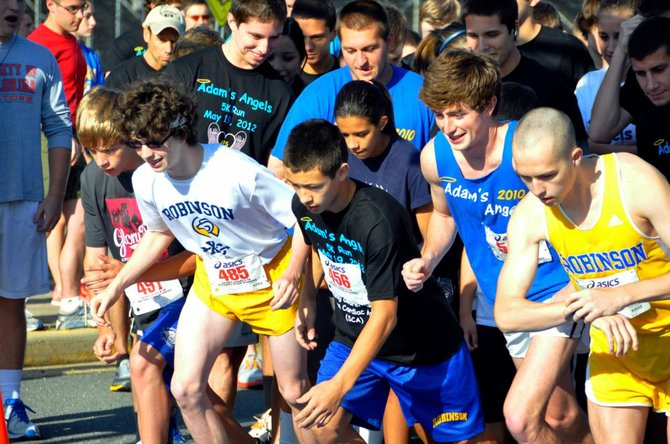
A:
(614, 221)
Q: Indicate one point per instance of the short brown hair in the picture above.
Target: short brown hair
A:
(154, 108)
(265, 11)
(459, 76)
(364, 14)
(96, 129)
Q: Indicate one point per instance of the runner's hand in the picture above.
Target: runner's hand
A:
(104, 346)
(620, 333)
(305, 333)
(100, 275)
(321, 404)
(47, 214)
(100, 303)
(593, 303)
(415, 273)
(285, 290)
(469, 331)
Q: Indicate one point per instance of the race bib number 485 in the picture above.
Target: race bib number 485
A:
(232, 276)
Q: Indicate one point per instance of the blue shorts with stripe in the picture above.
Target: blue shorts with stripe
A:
(443, 398)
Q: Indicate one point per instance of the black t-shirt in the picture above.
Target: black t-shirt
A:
(551, 91)
(653, 137)
(373, 235)
(632, 98)
(126, 46)
(128, 72)
(309, 78)
(561, 53)
(239, 108)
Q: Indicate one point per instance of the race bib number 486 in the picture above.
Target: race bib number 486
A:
(345, 281)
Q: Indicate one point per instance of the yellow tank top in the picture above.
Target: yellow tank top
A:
(613, 251)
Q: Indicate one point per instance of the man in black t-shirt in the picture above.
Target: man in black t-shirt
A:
(386, 336)
(161, 29)
(316, 19)
(241, 99)
(560, 52)
(649, 52)
(620, 100)
(491, 30)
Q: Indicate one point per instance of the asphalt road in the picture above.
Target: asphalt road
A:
(74, 405)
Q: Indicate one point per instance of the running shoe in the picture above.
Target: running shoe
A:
(250, 373)
(33, 323)
(262, 428)
(121, 381)
(18, 424)
(175, 436)
(80, 318)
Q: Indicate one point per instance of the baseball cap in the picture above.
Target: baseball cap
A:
(163, 17)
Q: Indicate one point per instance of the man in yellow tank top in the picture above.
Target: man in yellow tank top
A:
(608, 218)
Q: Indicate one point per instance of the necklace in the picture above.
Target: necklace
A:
(11, 45)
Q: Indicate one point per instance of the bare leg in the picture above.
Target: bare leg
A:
(339, 430)
(396, 430)
(151, 395)
(290, 366)
(118, 317)
(55, 239)
(13, 337)
(223, 377)
(72, 255)
(533, 404)
(618, 425)
(200, 335)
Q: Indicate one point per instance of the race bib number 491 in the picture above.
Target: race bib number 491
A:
(149, 296)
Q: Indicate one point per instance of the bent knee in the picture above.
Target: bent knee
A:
(291, 391)
(187, 393)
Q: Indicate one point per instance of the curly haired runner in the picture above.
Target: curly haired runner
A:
(237, 228)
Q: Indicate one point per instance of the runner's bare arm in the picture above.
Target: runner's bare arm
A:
(286, 286)
(306, 316)
(647, 198)
(441, 230)
(513, 312)
(150, 247)
(323, 400)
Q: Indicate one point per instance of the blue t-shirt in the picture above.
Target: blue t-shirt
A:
(481, 209)
(397, 171)
(412, 118)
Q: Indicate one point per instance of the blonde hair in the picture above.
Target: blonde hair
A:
(95, 129)
(439, 13)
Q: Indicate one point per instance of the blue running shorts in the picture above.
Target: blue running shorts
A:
(443, 398)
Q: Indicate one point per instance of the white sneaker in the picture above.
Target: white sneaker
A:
(18, 424)
(250, 373)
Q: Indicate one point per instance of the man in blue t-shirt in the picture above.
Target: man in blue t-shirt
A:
(475, 190)
(364, 31)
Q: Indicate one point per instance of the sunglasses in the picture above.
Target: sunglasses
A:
(154, 144)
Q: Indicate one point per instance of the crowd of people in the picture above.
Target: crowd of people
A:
(458, 233)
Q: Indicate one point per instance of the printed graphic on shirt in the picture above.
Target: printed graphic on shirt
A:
(17, 82)
(232, 114)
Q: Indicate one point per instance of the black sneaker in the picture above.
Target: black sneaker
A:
(121, 382)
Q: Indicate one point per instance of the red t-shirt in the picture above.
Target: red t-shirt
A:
(70, 60)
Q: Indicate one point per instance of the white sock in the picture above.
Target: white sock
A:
(70, 305)
(10, 383)
(286, 431)
(370, 436)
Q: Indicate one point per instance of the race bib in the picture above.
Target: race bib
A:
(233, 276)
(345, 282)
(149, 296)
(497, 242)
(615, 280)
